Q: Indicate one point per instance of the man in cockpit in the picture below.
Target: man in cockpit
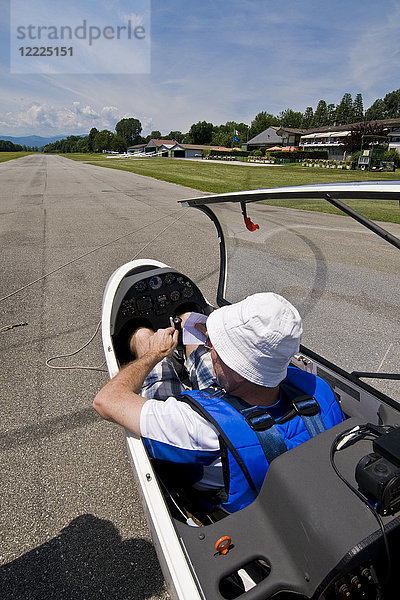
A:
(251, 406)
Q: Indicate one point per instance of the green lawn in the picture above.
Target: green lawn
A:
(384, 210)
(11, 155)
(220, 178)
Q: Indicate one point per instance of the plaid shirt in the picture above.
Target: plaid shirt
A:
(163, 381)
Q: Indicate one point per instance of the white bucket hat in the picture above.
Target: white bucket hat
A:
(257, 337)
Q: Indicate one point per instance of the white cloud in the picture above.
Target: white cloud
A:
(218, 63)
(73, 119)
(134, 19)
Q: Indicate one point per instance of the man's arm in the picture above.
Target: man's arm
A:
(119, 400)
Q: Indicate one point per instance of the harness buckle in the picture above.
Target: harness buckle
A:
(306, 406)
(258, 419)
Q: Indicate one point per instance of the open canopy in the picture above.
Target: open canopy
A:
(343, 279)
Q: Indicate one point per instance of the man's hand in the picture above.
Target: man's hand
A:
(119, 400)
(163, 342)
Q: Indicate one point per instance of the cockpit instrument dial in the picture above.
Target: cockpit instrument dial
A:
(140, 286)
(187, 290)
(169, 278)
(155, 282)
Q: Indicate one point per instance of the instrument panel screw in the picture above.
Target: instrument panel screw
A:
(148, 476)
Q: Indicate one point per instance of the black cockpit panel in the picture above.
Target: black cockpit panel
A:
(150, 296)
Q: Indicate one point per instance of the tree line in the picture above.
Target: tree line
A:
(8, 146)
(128, 131)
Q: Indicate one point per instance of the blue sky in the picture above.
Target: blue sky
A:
(214, 60)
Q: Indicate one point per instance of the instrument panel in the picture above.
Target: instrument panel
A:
(149, 297)
(155, 295)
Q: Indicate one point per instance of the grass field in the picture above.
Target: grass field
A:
(219, 178)
(11, 155)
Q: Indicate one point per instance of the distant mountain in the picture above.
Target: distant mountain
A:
(35, 140)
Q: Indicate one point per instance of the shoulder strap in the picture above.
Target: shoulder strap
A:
(198, 400)
(263, 424)
(257, 418)
(307, 407)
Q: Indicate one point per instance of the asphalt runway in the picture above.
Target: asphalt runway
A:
(72, 525)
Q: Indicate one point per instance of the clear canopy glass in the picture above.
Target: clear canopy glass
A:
(342, 277)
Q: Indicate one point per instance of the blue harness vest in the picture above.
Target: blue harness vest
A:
(252, 436)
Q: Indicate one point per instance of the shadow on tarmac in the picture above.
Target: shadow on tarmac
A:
(47, 429)
(87, 560)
